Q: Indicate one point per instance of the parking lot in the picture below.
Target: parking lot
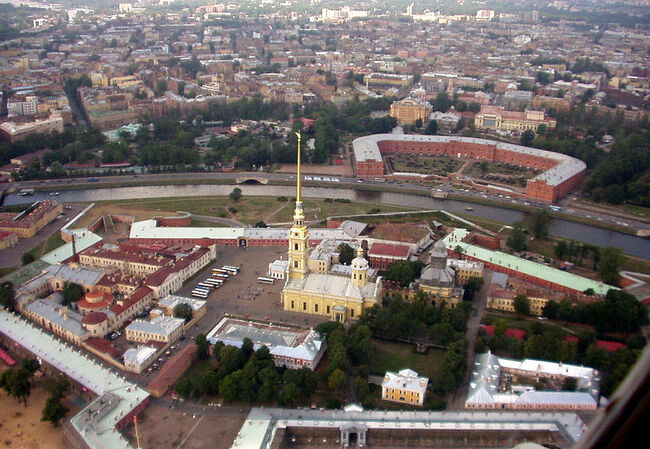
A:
(241, 295)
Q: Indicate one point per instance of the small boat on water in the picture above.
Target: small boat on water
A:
(469, 208)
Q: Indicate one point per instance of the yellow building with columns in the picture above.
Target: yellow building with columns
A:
(338, 297)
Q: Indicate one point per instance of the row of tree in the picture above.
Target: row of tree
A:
(243, 374)
(618, 312)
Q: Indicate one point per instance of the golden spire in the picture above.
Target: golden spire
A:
(299, 214)
(299, 136)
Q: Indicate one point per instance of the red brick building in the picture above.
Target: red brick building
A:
(383, 254)
(560, 173)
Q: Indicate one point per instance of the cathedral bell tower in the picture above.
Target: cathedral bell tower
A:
(298, 235)
(359, 269)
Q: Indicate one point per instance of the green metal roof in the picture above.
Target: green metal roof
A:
(524, 266)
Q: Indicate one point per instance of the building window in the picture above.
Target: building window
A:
(304, 306)
(295, 247)
(293, 306)
(328, 309)
(295, 264)
(315, 307)
(352, 313)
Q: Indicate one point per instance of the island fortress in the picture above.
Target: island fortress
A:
(560, 173)
(338, 296)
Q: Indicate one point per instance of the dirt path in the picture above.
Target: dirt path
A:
(463, 167)
(227, 221)
(275, 212)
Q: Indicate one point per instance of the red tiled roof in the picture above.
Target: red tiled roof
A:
(135, 257)
(611, 346)
(156, 279)
(137, 295)
(95, 300)
(388, 249)
(4, 235)
(43, 208)
(6, 358)
(105, 346)
(94, 318)
(515, 333)
(510, 333)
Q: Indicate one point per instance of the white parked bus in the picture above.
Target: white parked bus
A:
(230, 270)
(199, 294)
(219, 281)
(212, 282)
(220, 272)
(265, 280)
(220, 277)
(204, 285)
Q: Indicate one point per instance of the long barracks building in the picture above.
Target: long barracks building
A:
(561, 173)
(149, 231)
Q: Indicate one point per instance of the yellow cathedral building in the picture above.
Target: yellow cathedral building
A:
(341, 298)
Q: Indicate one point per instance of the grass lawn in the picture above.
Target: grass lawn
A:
(407, 218)
(637, 210)
(397, 356)
(494, 226)
(53, 242)
(474, 170)
(249, 209)
(429, 165)
(316, 209)
(631, 209)
(207, 224)
(197, 371)
(140, 209)
(5, 271)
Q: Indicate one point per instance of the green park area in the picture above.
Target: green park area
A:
(484, 168)
(428, 165)
(53, 242)
(246, 209)
(394, 357)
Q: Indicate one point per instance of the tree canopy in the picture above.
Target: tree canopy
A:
(72, 292)
(346, 254)
(7, 296)
(538, 223)
(517, 238)
(184, 311)
(611, 259)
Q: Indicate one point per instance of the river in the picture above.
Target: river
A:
(635, 246)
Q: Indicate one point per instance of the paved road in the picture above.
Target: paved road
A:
(10, 257)
(457, 400)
